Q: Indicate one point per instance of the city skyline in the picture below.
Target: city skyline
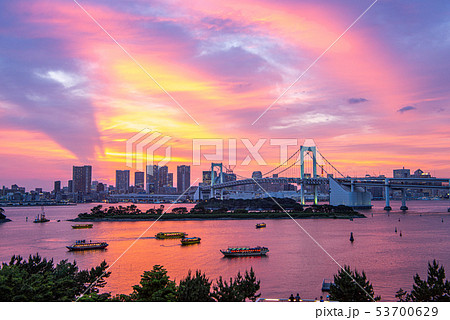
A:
(377, 100)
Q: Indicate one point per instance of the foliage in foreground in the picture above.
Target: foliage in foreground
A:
(351, 286)
(156, 286)
(435, 288)
(39, 279)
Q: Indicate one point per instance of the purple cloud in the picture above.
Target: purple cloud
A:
(405, 109)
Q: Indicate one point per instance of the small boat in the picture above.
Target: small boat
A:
(351, 237)
(170, 235)
(187, 241)
(81, 245)
(82, 226)
(245, 251)
(40, 218)
(260, 225)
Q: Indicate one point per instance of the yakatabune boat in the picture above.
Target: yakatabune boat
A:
(82, 226)
(80, 245)
(260, 225)
(245, 251)
(170, 235)
(192, 240)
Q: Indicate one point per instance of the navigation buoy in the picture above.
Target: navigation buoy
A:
(398, 219)
(400, 234)
(395, 229)
(351, 237)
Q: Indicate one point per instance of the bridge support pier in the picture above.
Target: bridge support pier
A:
(315, 195)
(386, 195)
(403, 207)
(302, 193)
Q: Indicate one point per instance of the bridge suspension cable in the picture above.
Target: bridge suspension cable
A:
(284, 163)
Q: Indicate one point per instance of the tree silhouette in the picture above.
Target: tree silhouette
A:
(435, 288)
(195, 288)
(38, 279)
(351, 286)
(155, 285)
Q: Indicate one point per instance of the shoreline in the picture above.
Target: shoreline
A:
(5, 220)
(267, 216)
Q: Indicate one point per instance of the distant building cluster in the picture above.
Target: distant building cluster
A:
(157, 184)
(413, 194)
(81, 188)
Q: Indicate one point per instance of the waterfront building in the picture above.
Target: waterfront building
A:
(152, 178)
(183, 178)
(57, 187)
(82, 179)
(170, 179)
(122, 181)
(402, 173)
(70, 186)
(139, 179)
(163, 174)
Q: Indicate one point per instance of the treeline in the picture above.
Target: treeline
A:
(224, 208)
(39, 279)
(352, 286)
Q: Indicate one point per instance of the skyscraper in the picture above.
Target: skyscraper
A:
(170, 179)
(122, 180)
(139, 179)
(162, 177)
(183, 178)
(82, 179)
(152, 178)
(57, 188)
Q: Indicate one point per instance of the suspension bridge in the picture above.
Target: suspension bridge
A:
(313, 175)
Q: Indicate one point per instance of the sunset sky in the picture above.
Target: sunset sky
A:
(69, 95)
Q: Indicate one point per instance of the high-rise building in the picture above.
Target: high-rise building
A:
(163, 173)
(57, 188)
(122, 181)
(170, 179)
(82, 179)
(139, 179)
(183, 178)
(152, 178)
(70, 186)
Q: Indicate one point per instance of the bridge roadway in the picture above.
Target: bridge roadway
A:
(229, 184)
(393, 183)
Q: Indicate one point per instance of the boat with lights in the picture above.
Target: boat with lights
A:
(81, 245)
(82, 226)
(170, 235)
(245, 251)
(187, 241)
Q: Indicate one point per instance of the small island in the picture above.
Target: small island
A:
(215, 209)
(2, 216)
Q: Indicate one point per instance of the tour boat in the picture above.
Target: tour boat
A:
(82, 226)
(40, 218)
(192, 240)
(81, 245)
(170, 235)
(245, 251)
(260, 225)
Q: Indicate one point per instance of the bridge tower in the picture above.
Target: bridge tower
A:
(220, 177)
(303, 150)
